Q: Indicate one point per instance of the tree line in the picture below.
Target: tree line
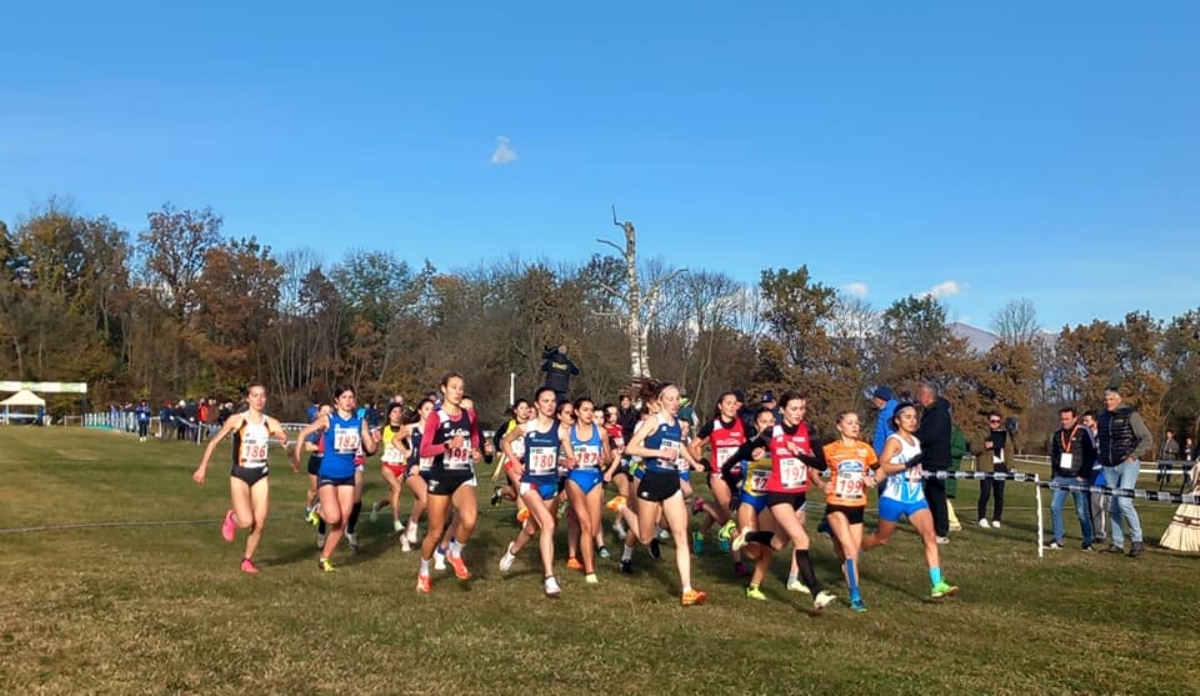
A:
(183, 309)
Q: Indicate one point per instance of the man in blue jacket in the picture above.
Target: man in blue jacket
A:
(885, 401)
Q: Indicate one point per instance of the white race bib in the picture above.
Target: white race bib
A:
(849, 483)
(392, 454)
(458, 458)
(723, 455)
(1065, 462)
(587, 456)
(346, 440)
(254, 452)
(543, 460)
(792, 472)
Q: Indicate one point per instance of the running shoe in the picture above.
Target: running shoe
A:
(523, 515)
(398, 527)
(320, 540)
(794, 585)
(574, 564)
(616, 503)
(460, 567)
(496, 496)
(314, 515)
(697, 543)
(823, 599)
(693, 598)
(325, 565)
(655, 549)
(552, 588)
(603, 552)
(374, 512)
(697, 505)
(228, 528)
(627, 567)
(725, 533)
(249, 567)
(439, 559)
(412, 532)
(424, 584)
(858, 605)
(943, 589)
(663, 534)
(754, 592)
(995, 524)
(591, 579)
(352, 539)
(507, 560)
(725, 545)
(942, 541)
(405, 547)
(739, 541)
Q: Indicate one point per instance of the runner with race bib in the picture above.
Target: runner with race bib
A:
(537, 468)
(249, 489)
(451, 440)
(850, 465)
(903, 494)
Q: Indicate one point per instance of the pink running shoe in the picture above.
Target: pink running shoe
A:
(228, 527)
(249, 567)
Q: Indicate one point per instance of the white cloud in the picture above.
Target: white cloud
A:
(504, 153)
(946, 289)
(856, 289)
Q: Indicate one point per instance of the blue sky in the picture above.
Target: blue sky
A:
(995, 151)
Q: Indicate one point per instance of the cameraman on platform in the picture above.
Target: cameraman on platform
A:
(558, 368)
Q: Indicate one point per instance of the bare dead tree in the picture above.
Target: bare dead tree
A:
(640, 309)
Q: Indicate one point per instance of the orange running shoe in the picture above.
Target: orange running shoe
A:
(424, 584)
(574, 564)
(693, 598)
(616, 503)
(460, 568)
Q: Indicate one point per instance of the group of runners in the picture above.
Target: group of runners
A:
(552, 453)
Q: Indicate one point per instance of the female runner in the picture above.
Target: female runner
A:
(249, 491)
(416, 477)
(542, 436)
(393, 464)
(904, 494)
(755, 522)
(850, 463)
(792, 453)
(723, 435)
(589, 444)
(451, 439)
(658, 442)
(345, 436)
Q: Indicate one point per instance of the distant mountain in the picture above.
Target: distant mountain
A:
(981, 340)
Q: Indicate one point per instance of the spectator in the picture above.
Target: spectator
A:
(224, 413)
(934, 434)
(143, 419)
(885, 401)
(993, 450)
(1189, 450)
(559, 368)
(166, 419)
(1167, 459)
(687, 412)
(179, 415)
(1097, 502)
(1123, 441)
(1071, 456)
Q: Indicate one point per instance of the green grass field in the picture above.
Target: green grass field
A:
(164, 608)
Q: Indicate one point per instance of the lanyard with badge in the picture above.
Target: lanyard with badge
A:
(1067, 459)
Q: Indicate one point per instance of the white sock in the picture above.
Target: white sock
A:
(626, 553)
(455, 548)
(424, 567)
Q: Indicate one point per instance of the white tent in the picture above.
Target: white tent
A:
(22, 399)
